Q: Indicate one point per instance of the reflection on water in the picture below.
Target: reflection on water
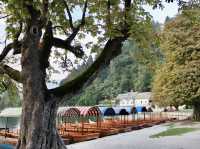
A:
(10, 122)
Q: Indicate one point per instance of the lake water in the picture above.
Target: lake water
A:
(10, 122)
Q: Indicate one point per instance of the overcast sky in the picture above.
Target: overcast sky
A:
(158, 15)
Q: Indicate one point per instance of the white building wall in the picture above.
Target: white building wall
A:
(142, 102)
(126, 102)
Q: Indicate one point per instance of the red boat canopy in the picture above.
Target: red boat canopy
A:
(68, 112)
(89, 111)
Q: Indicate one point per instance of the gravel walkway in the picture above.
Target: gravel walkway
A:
(140, 140)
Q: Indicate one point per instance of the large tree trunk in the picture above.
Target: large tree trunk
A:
(38, 126)
(196, 114)
(38, 121)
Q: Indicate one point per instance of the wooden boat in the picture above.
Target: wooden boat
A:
(8, 134)
(10, 141)
(104, 131)
(79, 137)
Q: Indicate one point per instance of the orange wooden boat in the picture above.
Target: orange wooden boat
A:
(79, 137)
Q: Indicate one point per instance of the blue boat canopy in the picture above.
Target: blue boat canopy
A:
(122, 110)
(133, 110)
(144, 109)
(107, 111)
(141, 109)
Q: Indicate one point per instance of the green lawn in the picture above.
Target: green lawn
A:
(173, 132)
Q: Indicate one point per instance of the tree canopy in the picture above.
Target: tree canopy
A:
(102, 19)
(177, 80)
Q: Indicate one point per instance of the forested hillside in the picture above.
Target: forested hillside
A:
(9, 93)
(125, 73)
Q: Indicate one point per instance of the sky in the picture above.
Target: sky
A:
(158, 15)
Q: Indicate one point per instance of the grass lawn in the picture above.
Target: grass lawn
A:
(173, 132)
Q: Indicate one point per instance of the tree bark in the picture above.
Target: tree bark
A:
(38, 126)
(196, 114)
(39, 107)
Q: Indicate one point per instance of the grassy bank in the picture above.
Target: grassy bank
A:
(174, 132)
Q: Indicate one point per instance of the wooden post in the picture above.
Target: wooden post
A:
(6, 127)
(97, 121)
(82, 125)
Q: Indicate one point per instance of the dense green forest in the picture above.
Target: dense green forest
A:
(125, 73)
(9, 93)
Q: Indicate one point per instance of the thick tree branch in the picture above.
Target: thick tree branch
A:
(66, 44)
(127, 8)
(69, 15)
(45, 4)
(5, 51)
(108, 17)
(111, 50)
(76, 50)
(34, 13)
(19, 31)
(47, 45)
(84, 13)
(16, 45)
(76, 29)
(3, 17)
(61, 27)
(44, 11)
(12, 73)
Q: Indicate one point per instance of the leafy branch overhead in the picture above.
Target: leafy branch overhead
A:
(115, 21)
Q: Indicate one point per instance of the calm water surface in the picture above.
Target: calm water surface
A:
(10, 122)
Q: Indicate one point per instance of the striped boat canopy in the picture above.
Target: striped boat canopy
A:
(68, 112)
(89, 111)
(107, 111)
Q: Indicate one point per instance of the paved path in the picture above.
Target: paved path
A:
(140, 140)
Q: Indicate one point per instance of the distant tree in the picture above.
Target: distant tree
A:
(9, 93)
